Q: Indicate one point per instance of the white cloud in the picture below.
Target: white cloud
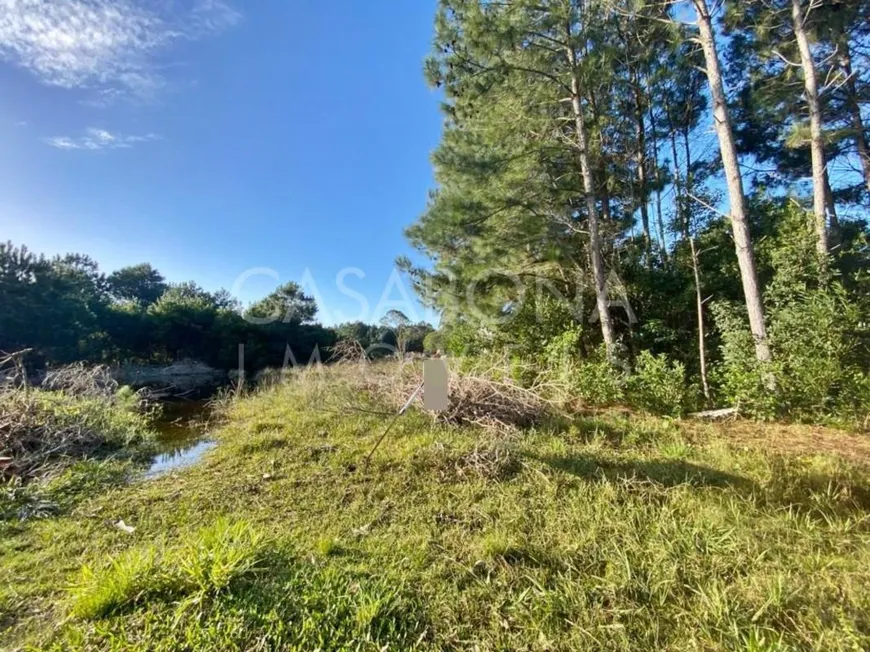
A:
(97, 139)
(108, 45)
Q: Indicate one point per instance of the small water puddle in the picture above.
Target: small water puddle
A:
(178, 458)
(182, 438)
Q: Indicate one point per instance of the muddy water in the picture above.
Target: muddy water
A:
(182, 437)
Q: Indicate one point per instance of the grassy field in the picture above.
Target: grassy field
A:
(608, 532)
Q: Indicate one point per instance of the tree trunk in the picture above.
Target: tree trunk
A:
(598, 273)
(854, 108)
(658, 179)
(817, 145)
(728, 151)
(699, 302)
(683, 192)
(834, 230)
(640, 132)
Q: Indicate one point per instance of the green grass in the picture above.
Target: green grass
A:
(608, 533)
(131, 578)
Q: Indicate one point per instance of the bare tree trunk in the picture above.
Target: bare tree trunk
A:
(854, 108)
(640, 132)
(683, 193)
(728, 151)
(699, 302)
(658, 179)
(817, 145)
(598, 272)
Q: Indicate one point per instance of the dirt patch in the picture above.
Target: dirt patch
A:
(786, 439)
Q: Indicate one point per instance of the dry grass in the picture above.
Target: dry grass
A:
(494, 404)
(786, 439)
(83, 380)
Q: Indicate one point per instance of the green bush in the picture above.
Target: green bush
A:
(812, 344)
(433, 342)
(593, 380)
(657, 385)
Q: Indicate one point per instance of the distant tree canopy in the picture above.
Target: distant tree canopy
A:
(140, 283)
(287, 304)
(66, 310)
(382, 339)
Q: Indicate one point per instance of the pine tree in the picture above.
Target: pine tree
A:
(734, 182)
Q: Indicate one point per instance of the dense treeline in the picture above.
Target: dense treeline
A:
(604, 210)
(66, 310)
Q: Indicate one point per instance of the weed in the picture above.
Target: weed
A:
(327, 547)
(131, 578)
(219, 555)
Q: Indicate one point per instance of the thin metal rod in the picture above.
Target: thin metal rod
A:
(392, 423)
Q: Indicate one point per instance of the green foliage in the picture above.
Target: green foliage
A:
(53, 302)
(657, 385)
(510, 212)
(462, 339)
(740, 378)
(592, 380)
(815, 329)
(812, 340)
(685, 536)
(66, 310)
(539, 320)
(380, 340)
(433, 342)
(141, 284)
(287, 304)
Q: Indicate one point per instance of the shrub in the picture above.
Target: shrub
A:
(433, 341)
(812, 342)
(657, 385)
(594, 380)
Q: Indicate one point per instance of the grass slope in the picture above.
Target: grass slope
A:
(609, 533)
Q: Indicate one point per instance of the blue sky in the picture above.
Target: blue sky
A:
(212, 137)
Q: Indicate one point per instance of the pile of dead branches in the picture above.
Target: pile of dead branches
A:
(74, 412)
(495, 405)
(13, 371)
(82, 380)
(41, 430)
(348, 352)
(28, 441)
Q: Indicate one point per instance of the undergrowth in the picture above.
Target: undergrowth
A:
(611, 532)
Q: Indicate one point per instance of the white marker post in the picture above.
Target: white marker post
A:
(435, 386)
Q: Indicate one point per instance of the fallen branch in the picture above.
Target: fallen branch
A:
(714, 415)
